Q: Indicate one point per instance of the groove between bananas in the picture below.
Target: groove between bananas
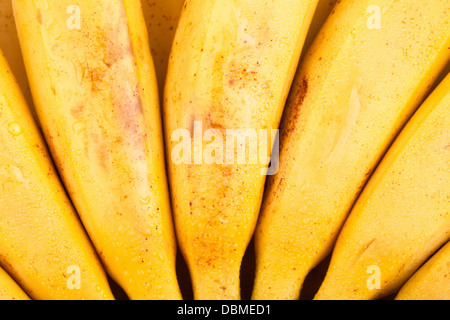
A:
(9, 44)
(161, 18)
(9, 289)
(323, 11)
(431, 281)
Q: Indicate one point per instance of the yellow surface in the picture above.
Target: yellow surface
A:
(403, 214)
(96, 94)
(9, 44)
(9, 289)
(231, 67)
(431, 281)
(323, 11)
(40, 234)
(355, 89)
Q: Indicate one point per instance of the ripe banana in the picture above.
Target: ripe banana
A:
(431, 281)
(231, 68)
(364, 76)
(93, 79)
(42, 242)
(403, 214)
(324, 8)
(161, 18)
(9, 289)
(9, 44)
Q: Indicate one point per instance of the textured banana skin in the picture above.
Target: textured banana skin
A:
(403, 215)
(431, 281)
(9, 44)
(41, 237)
(357, 86)
(323, 11)
(231, 67)
(9, 289)
(96, 95)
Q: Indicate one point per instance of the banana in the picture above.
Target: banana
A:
(93, 80)
(42, 242)
(9, 44)
(324, 9)
(231, 68)
(362, 79)
(161, 18)
(9, 289)
(402, 215)
(403, 230)
(431, 281)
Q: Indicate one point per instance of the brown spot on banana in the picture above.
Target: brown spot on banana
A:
(39, 16)
(77, 112)
(294, 108)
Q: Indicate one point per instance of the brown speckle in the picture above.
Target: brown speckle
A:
(39, 16)
(77, 111)
(301, 93)
(294, 108)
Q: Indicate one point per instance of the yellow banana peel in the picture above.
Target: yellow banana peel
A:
(96, 95)
(364, 76)
(10, 46)
(231, 67)
(9, 289)
(431, 281)
(42, 242)
(403, 215)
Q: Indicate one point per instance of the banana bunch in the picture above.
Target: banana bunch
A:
(224, 150)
